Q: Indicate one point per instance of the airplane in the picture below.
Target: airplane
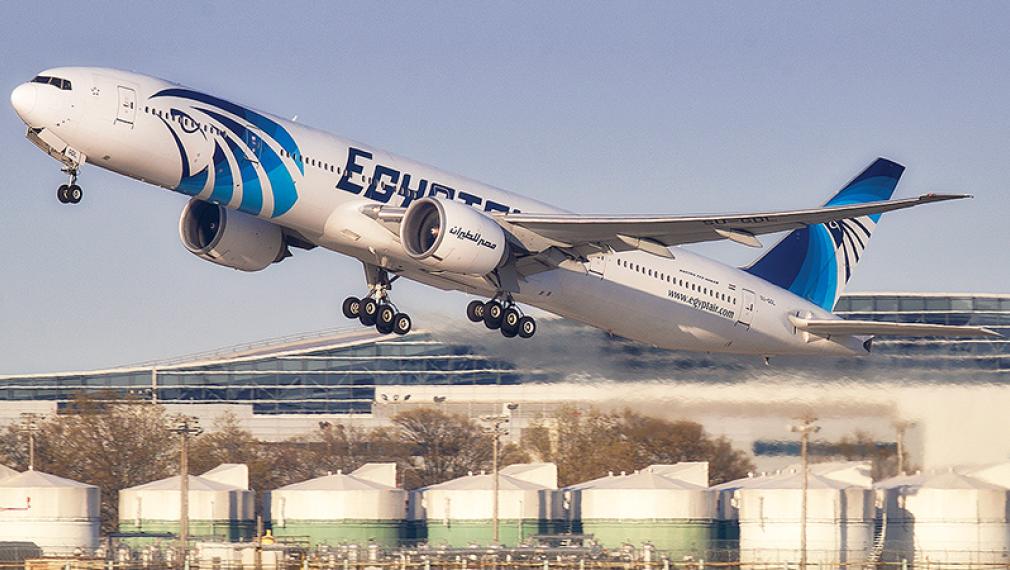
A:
(260, 186)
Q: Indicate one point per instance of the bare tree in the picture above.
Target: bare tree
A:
(590, 443)
(441, 446)
(111, 445)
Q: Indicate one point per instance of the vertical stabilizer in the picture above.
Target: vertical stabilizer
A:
(815, 262)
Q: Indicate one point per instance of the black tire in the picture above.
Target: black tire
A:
(384, 319)
(369, 310)
(493, 313)
(383, 328)
(74, 194)
(475, 311)
(385, 316)
(510, 322)
(62, 194)
(510, 318)
(527, 327)
(352, 307)
(401, 323)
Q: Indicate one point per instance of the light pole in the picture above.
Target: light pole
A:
(186, 427)
(393, 399)
(29, 425)
(497, 430)
(804, 429)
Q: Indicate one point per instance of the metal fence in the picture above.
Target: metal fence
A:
(281, 558)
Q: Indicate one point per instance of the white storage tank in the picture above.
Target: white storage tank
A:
(651, 505)
(221, 506)
(840, 519)
(359, 507)
(726, 496)
(6, 472)
(945, 518)
(459, 512)
(59, 515)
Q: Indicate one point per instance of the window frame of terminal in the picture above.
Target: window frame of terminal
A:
(58, 82)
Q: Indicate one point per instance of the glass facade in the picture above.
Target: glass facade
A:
(329, 377)
(340, 372)
(971, 359)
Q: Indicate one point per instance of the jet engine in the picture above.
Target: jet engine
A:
(453, 237)
(229, 237)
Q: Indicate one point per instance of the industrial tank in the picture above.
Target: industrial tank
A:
(651, 505)
(57, 514)
(358, 507)
(839, 519)
(221, 506)
(726, 496)
(459, 512)
(944, 518)
(6, 472)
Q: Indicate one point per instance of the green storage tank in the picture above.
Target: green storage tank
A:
(360, 507)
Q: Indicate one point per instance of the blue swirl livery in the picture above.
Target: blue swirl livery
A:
(815, 262)
(242, 138)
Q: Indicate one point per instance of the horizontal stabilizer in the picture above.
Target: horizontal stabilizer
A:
(846, 327)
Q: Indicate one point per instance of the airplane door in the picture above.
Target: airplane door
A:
(747, 303)
(254, 142)
(127, 110)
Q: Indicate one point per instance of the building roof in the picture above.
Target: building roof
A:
(485, 482)
(6, 472)
(793, 479)
(32, 478)
(337, 482)
(196, 483)
(943, 480)
(643, 480)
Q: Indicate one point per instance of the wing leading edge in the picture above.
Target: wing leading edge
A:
(617, 231)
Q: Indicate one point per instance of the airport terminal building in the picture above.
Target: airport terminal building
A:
(285, 387)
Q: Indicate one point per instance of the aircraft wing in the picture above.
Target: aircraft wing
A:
(655, 233)
(847, 327)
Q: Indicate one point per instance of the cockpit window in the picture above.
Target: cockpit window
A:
(57, 82)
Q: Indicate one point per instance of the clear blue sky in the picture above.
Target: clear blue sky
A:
(603, 107)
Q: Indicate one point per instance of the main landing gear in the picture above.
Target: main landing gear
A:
(504, 316)
(70, 193)
(376, 309)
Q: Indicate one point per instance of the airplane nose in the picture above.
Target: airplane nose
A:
(23, 99)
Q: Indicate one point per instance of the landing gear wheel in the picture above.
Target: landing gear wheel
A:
(493, 313)
(401, 324)
(74, 194)
(369, 310)
(352, 307)
(527, 327)
(62, 194)
(475, 311)
(385, 319)
(510, 322)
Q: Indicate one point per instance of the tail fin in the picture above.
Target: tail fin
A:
(815, 262)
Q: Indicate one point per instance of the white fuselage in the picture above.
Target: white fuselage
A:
(689, 302)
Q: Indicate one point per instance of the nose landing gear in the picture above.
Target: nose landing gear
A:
(70, 193)
(504, 316)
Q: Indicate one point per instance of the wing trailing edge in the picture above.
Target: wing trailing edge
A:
(847, 327)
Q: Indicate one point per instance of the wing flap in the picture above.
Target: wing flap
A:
(847, 327)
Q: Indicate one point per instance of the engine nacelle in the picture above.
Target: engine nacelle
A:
(229, 237)
(452, 237)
